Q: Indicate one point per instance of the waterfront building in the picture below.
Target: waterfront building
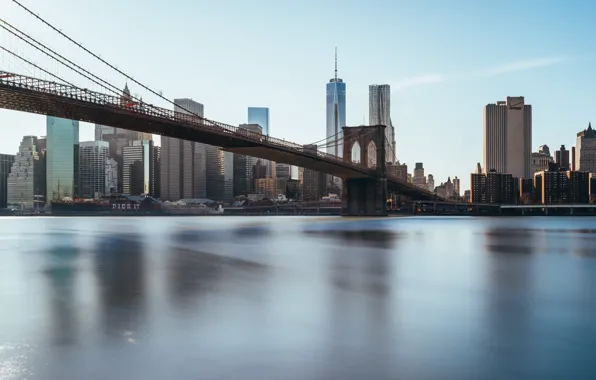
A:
(62, 158)
(138, 167)
(92, 168)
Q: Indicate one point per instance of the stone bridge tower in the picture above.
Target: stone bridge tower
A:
(365, 196)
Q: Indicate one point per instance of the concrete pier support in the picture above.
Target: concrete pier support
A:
(364, 197)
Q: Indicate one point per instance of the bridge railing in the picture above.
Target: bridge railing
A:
(147, 109)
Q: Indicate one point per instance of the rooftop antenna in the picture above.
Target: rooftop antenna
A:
(336, 63)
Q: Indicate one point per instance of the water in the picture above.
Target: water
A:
(297, 298)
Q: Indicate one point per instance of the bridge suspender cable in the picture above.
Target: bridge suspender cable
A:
(102, 60)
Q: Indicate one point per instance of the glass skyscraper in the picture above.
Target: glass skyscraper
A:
(62, 158)
(336, 113)
(259, 115)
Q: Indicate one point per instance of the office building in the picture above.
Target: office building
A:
(418, 178)
(336, 113)
(219, 174)
(112, 177)
(183, 172)
(62, 158)
(379, 113)
(260, 116)
(456, 186)
(26, 180)
(92, 168)
(507, 137)
(562, 158)
(541, 159)
(244, 167)
(313, 182)
(6, 161)
(585, 150)
(283, 171)
(138, 168)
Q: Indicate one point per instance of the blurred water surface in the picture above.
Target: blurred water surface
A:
(297, 298)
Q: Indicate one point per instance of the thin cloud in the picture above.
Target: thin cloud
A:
(523, 65)
(418, 81)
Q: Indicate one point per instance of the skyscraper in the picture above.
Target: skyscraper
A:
(336, 113)
(25, 184)
(562, 158)
(379, 113)
(138, 168)
(585, 154)
(220, 174)
(6, 161)
(62, 158)
(92, 168)
(507, 137)
(183, 163)
(259, 115)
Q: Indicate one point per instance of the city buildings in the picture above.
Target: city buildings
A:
(562, 158)
(26, 181)
(112, 177)
(398, 170)
(507, 137)
(456, 186)
(219, 174)
(138, 168)
(183, 172)
(541, 159)
(418, 178)
(313, 182)
(493, 187)
(478, 188)
(336, 113)
(260, 116)
(244, 168)
(562, 186)
(585, 150)
(62, 157)
(573, 167)
(379, 113)
(430, 182)
(92, 168)
(6, 161)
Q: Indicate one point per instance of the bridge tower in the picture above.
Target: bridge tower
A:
(365, 196)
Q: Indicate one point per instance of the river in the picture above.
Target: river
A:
(297, 298)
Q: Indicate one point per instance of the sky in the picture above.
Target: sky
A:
(444, 60)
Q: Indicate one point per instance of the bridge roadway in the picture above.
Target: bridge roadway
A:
(27, 94)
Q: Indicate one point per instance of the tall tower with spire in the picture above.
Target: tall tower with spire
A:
(336, 113)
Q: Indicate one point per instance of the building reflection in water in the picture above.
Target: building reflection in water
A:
(509, 300)
(119, 263)
(361, 304)
(61, 274)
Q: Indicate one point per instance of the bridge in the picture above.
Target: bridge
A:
(366, 187)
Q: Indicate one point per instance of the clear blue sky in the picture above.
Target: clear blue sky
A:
(443, 59)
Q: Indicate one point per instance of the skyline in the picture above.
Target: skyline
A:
(444, 65)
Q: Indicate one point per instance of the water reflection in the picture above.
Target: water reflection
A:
(362, 237)
(61, 273)
(120, 271)
(509, 240)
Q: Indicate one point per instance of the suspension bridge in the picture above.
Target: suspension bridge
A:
(367, 185)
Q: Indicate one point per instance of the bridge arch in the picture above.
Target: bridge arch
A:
(371, 152)
(369, 142)
(356, 153)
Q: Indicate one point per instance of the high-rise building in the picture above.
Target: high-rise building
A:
(379, 113)
(62, 158)
(430, 182)
(157, 171)
(477, 188)
(572, 163)
(313, 182)
(6, 161)
(541, 159)
(112, 176)
(585, 150)
(507, 137)
(456, 185)
(336, 113)
(92, 168)
(220, 174)
(26, 181)
(562, 158)
(183, 173)
(418, 178)
(260, 116)
(244, 167)
(139, 168)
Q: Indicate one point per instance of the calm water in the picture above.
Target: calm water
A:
(297, 298)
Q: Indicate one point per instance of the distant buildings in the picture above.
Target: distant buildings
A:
(138, 168)
(244, 167)
(92, 168)
(418, 178)
(219, 174)
(508, 137)
(62, 139)
(336, 113)
(456, 186)
(541, 159)
(430, 182)
(379, 100)
(260, 116)
(585, 150)
(25, 184)
(112, 176)
(313, 182)
(183, 163)
(562, 187)
(492, 187)
(562, 158)
(6, 161)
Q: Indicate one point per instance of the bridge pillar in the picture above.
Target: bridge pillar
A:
(365, 196)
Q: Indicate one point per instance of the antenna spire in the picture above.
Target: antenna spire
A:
(336, 63)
